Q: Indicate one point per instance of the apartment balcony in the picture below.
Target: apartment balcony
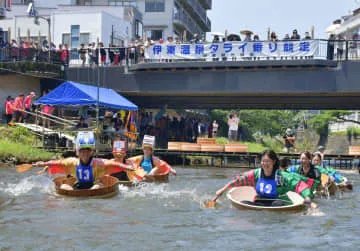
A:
(206, 3)
(208, 23)
(197, 11)
(183, 20)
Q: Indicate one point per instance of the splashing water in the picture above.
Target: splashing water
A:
(160, 191)
(29, 184)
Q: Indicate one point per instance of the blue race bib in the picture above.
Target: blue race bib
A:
(84, 174)
(266, 188)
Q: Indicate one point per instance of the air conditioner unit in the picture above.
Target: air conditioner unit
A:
(2, 12)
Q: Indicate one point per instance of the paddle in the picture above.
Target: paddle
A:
(324, 179)
(23, 168)
(211, 203)
(138, 174)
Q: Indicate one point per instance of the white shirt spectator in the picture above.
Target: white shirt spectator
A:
(234, 124)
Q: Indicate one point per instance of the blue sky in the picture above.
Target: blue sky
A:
(282, 16)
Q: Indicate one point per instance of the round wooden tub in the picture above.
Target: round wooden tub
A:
(109, 189)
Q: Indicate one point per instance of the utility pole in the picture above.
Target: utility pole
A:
(112, 35)
(98, 87)
(32, 12)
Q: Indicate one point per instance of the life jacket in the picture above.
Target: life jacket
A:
(267, 186)
(313, 172)
(84, 173)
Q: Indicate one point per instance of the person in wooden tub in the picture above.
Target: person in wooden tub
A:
(119, 153)
(152, 165)
(87, 169)
(269, 181)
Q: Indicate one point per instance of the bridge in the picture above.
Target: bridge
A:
(300, 84)
(314, 81)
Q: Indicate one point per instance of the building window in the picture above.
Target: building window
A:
(138, 29)
(154, 34)
(84, 39)
(65, 39)
(154, 5)
(122, 3)
(75, 36)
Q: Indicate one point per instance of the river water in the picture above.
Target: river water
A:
(166, 217)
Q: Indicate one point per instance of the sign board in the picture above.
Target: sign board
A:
(239, 50)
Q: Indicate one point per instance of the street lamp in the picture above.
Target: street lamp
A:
(32, 12)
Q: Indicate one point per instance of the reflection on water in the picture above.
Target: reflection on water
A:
(166, 217)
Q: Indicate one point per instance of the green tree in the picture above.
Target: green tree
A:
(321, 122)
(267, 122)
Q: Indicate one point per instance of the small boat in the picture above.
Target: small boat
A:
(246, 198)
(109, 189)
(332, 189)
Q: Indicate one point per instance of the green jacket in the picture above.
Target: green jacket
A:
(312, 179)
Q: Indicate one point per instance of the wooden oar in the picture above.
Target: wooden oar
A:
(211, 203)
(138, 174)
(324, 179)
(23, 168)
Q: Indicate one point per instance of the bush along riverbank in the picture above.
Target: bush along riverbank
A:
(19, 145)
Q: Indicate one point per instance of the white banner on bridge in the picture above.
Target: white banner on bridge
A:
(264, 49)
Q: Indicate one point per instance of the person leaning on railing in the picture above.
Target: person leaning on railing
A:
(331, 47)
(82, 53)
(354, 47)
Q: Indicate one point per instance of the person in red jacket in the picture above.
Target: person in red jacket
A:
(28, 104)
(19, 108)
(9, 110)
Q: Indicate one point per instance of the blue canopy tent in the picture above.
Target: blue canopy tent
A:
(75, 94)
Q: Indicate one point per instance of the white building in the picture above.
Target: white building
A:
(343, 126)
(73, 24)
(347, 26)
(161, 18)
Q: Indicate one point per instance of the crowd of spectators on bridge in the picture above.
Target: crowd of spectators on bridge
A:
(132, 52)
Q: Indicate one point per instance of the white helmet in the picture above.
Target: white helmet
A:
(85, 140)
(148, 141)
